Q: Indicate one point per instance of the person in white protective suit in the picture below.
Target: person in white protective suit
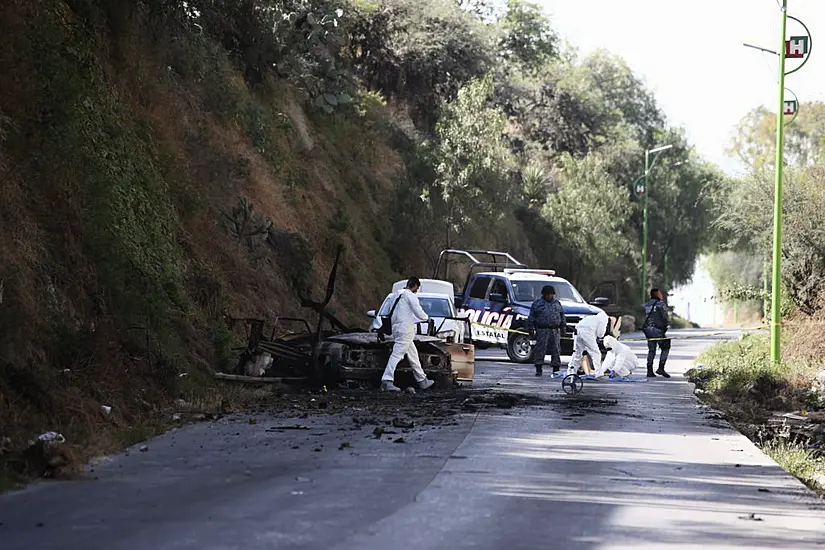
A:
(406, 309)
(620, 360)
(588, 331)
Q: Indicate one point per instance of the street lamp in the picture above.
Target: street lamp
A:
(640, 191)
(648, 168)
(797, 47)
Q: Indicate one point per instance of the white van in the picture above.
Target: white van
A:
(437, 299)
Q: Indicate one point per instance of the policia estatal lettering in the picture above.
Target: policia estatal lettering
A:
(655, 328)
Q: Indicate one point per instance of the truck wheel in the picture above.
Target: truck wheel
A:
(519, 349)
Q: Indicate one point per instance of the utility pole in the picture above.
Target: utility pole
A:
(776, 318)
(645, 192)
(798, 47)
(644, 229)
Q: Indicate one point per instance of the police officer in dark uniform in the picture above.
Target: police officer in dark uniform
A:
(655, 327)
(546, 324)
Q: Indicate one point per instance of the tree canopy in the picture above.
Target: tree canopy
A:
(746, 223)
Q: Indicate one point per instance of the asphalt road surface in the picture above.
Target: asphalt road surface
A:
(621, 466)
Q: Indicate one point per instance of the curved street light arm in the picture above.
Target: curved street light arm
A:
(810, 45)
(653, 164)
(798, 107)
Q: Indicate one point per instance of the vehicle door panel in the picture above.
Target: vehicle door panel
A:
(476, 298)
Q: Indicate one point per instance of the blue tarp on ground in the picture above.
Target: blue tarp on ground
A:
(591, 377)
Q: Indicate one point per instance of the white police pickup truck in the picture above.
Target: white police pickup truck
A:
(498, 301)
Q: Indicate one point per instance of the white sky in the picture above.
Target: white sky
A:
(690, 53)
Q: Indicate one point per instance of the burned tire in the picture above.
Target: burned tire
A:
(327, 369)
(519, 349)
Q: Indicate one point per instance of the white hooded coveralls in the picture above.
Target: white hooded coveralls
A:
(404, 318)
(587, 332)
(620, 360)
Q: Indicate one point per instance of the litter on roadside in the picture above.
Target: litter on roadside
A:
(52, 437)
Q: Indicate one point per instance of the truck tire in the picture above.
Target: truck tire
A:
(519, 349)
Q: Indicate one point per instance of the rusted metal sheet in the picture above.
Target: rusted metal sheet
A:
(462, 360)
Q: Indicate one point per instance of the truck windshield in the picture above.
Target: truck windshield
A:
(530, 291)
(434, 306)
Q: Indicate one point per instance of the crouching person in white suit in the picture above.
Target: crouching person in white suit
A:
(406, 309)
(588, 331)
(620, 360)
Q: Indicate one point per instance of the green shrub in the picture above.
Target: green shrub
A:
(107, 160)
(805, 464)
(740, 377)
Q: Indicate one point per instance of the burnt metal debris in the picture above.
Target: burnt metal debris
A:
(332, 354)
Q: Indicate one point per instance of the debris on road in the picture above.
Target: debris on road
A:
(296, 427)
(403, 423)
(144, 448)
(399, 440)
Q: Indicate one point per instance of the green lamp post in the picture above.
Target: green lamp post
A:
(644, 194)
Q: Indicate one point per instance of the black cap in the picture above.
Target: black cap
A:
(548, 289)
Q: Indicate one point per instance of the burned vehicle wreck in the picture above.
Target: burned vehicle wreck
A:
(333, 352)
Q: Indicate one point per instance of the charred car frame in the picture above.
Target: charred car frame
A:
(291, 348)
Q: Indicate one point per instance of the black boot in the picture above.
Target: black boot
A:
(650, 373)
(538, 370)
(663, 360)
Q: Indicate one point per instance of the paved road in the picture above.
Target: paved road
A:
(622, 466)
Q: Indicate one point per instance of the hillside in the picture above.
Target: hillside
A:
(167, 165)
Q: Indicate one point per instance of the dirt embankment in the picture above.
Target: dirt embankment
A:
(147, 193)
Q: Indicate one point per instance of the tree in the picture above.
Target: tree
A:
(486, 10)
(470, 160)
(755, 141)
(748, 221)
(614, 96)
(296, 39)
(589, 211)
(528, 40)
(420, 52)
